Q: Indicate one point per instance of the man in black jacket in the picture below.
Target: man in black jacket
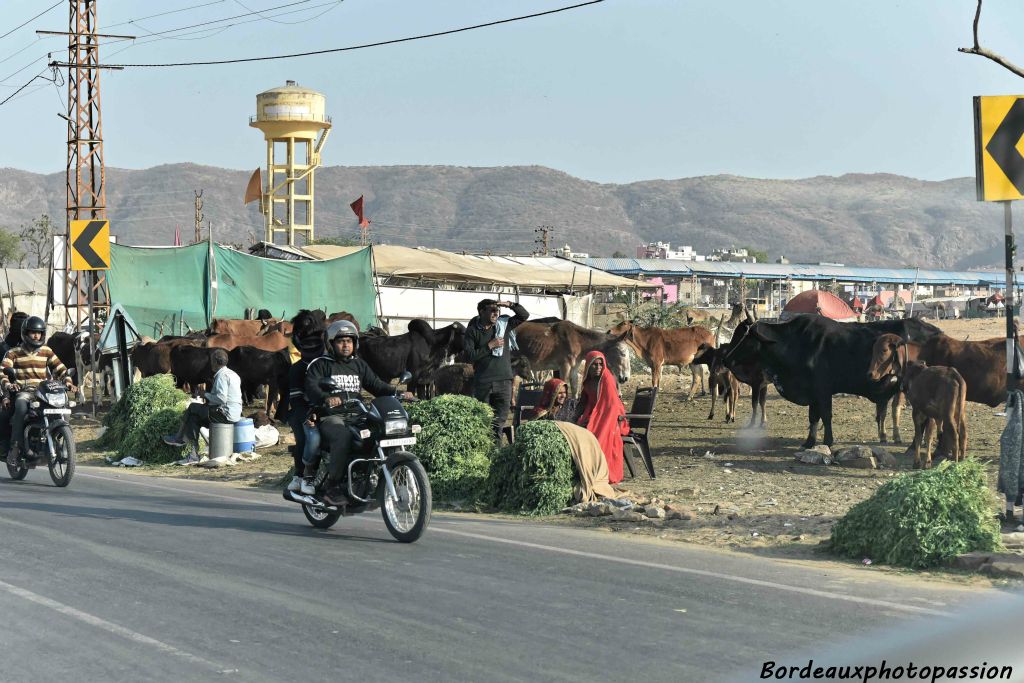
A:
(491, 356)
(352, 374)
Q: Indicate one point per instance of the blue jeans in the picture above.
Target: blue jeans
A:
(312, 447)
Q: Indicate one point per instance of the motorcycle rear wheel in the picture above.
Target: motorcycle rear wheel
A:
(321, 519)
(407, 518)
(63, 468)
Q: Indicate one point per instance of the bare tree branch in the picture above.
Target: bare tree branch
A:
(986, 53)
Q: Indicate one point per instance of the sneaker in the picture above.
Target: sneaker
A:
(174, 440)
(306, 487)
(190, 459)
(295, 484)
(336, 497)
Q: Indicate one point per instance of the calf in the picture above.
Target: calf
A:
(938, 396)
(723, 383)
(454, 379)
(154, 358)
(660, 347)
(256, 367)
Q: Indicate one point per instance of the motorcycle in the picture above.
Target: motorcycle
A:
(48, 438)
(383, 474)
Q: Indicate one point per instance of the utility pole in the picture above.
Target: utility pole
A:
(84, 294)
(543, 240)
(199, 217)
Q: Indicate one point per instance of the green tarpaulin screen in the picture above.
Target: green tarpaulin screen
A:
(170, 290)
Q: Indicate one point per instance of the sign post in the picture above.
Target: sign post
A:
(90, 251)
(999, 174)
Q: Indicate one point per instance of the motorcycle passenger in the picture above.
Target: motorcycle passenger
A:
(353, 374)
(300, 417)
(23, 367)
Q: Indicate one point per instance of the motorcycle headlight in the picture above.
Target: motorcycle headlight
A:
(396, 427)
(58, 400)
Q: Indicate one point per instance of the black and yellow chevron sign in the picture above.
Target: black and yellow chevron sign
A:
(90, 245)
(999, 162)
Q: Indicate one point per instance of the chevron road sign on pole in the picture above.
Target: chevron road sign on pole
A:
(90, 245)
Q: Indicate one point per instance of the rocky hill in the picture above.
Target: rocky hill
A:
(856, 219)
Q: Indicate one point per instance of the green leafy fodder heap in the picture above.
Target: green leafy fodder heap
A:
(454, 444)
(150, 408)
(922, 520)
(535, 474)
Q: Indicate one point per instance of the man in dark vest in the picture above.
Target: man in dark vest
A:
(489, 342)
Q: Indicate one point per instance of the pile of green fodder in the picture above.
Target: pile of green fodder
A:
(923, 519)
(147, 410)
(454, 445)
(534, 475)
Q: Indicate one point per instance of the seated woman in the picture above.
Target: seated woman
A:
(600, 410)
(554, 403)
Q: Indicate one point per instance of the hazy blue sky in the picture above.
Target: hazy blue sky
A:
(620, 91)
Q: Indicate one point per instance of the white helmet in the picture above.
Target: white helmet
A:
(341, 328)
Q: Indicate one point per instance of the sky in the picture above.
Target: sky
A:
(620, 91)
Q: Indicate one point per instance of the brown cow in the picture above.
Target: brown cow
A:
(938, 396)
(982, 364)
(562, 345)
(658, 347)
(244, 328)
(274, 341)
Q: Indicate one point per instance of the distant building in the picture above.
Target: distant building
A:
(663, 250)
(567, 252)
(731, 254)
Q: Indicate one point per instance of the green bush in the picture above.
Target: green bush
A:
(535, 474)
(455, 444)
(131, 421)
(922, 520)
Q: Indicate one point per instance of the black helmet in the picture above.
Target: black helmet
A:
(309, 343)
(33, 324)
(341, 328)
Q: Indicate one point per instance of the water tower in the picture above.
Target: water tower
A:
(295, 127)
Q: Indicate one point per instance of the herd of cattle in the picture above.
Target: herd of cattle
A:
(808, 359)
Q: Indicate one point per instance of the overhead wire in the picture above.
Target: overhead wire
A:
(363, 46)
(51, 7)
(161, 14)
(25, 85)
(287, 23)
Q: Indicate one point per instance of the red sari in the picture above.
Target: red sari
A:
(601, 413)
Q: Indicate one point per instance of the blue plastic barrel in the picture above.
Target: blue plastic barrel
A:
(245, 436)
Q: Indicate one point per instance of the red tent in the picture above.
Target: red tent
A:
(817, 301)
(885, 298)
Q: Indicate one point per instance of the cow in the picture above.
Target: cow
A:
(74, 352)
(748, 372)
(562, 345)
(938, 396)
(722, 383)
(153, 358)
(191, 367)
(811, 358)
(241, 328)
(421, 351)
(982, 364)
(274, 341)
(659, 347)
(456, 378)
(256, 367)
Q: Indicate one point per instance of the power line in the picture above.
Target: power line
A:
(219, 21)
(51, 7)
(27, 83)
(161, 14)
(287, 23)
(365, 45)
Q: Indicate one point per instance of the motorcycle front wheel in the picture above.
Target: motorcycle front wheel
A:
(321, 519)
(407, 518)
(62, 467)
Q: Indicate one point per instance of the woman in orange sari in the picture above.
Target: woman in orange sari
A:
(602, 413)
(554, 404)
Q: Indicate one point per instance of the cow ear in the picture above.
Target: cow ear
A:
(763, 334)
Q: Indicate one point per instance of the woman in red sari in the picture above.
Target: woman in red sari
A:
(602, 413)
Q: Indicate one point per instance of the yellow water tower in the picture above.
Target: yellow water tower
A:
(295, 127)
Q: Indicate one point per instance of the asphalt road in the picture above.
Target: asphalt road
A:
(123, 577)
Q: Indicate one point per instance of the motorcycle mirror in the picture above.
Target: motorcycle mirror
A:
(405, 377)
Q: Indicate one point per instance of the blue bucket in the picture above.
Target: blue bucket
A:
(245, 436)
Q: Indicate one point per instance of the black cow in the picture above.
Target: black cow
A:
(256, 367)
(191, 367)
(70, 348)
(749, 373)
(811, 358)
(421, 351)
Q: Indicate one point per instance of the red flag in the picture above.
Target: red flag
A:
(357, 208)
(177, 235)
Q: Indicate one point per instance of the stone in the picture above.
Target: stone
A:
(725, 508)
(1005, 564)
(689, 492)
(621, 515)
(868, 463)
(971, 562)
(885, 458)
(680, 513)
(600, 509)
(852, 453)
(654, 512)
(1014, 539)
(813, 457)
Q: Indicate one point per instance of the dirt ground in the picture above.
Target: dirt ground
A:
(766, 502)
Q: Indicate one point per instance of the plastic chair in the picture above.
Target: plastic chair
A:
(640, 417)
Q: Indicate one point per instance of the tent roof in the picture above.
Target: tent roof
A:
(435, 264)
(831, 306)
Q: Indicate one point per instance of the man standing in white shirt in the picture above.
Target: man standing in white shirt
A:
(223, 404)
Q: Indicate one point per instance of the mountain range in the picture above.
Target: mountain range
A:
(855, 219)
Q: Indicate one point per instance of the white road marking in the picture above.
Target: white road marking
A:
(598, 556)
(110, 627)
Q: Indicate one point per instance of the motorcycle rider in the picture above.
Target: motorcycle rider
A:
(353, 374)
(23, 367)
